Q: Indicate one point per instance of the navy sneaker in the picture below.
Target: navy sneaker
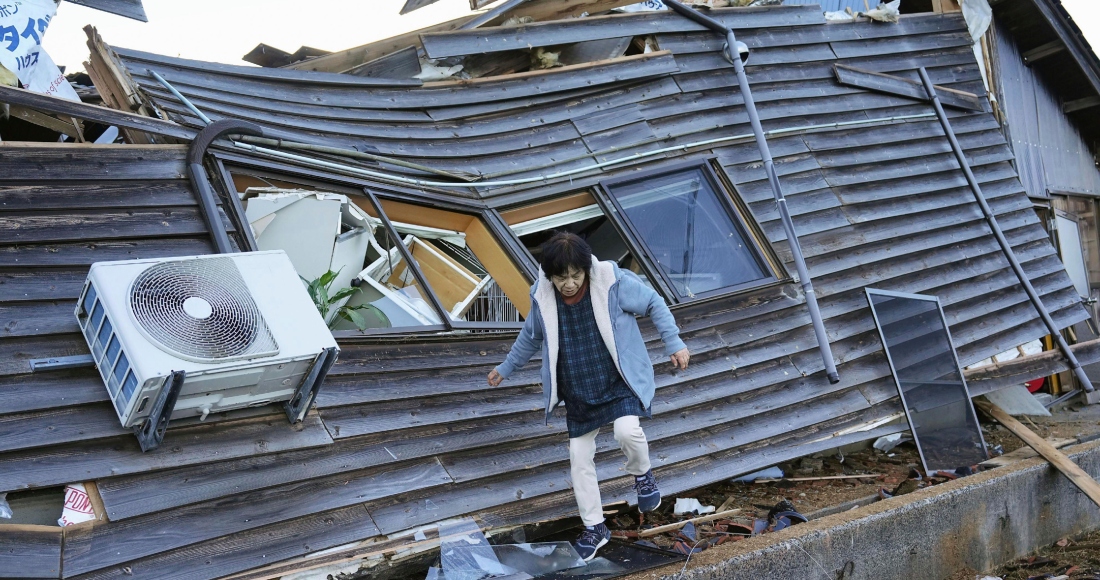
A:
(649, 497)
(592, 539)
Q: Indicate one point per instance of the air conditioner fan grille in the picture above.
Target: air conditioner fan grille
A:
(200, 310)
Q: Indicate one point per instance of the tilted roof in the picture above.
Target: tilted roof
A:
(405, 431)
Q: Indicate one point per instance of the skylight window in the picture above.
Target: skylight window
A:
(690, 232)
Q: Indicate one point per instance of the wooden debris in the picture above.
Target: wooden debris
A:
(1078, 476)
(821, 478)
(701, 519)
(1023, 453)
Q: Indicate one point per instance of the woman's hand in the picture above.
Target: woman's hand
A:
(679, 359)
(495, 378)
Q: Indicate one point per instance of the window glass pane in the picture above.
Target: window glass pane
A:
(689, 232)
(579, 214)
(936, 399)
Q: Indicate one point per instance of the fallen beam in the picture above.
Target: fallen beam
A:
(1078, 476)
(103, 115)
(1020, 370)
(701, 519)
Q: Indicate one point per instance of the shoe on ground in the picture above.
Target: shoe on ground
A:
(649, 497)
(591, 540)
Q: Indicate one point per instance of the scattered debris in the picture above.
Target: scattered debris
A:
(885, 12)
(773, 473)
(78, 506)
(690, 505)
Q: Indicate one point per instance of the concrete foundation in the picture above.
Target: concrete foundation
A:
(978, 522)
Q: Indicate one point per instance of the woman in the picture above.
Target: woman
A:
(594, 359)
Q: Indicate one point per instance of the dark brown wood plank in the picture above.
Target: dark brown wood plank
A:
(496, 39)
(88, 252)
(914, 24)
(114, 543)
(875, 46)
(35, 227)
(23, 285)
(904, 87)
(79, 196)
(438, 94)
(249, 549)
(183, 445)
(283, 76)
(38, 318)
(104, 115)
(151, 491)
(66, 161)
(30, 552)
(44, 390)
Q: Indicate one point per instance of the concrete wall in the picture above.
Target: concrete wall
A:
(978, 522)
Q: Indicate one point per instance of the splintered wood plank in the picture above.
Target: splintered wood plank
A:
(104, 115)
(1056, 458)
(183, 445)
(30, 551)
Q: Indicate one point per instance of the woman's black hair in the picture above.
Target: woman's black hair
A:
(562, 251)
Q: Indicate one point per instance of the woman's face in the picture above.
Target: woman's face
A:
(570, 283)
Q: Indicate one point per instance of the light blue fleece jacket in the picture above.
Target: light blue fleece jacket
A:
(617, 296)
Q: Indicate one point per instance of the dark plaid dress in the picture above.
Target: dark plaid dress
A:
(594, 392)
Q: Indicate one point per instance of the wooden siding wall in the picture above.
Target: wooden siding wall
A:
(407, 433)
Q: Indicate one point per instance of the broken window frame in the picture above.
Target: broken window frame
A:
(727, 199)
(407, 255)
(229, 165)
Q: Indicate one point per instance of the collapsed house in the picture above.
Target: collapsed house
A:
(430, 197)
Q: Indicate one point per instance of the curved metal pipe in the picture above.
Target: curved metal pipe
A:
(773, 179)
(201, 180)
(995, 227)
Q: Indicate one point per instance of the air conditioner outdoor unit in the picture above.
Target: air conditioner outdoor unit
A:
(185, 337)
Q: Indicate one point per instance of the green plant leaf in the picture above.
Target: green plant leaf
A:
(355, 318)
(343, 293)
(327, 278)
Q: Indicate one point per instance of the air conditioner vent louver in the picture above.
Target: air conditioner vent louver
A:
(200, 310)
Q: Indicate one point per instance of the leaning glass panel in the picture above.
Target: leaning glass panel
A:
(933, 392)
(689, 232)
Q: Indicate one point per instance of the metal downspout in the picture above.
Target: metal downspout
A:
(201, 180)
(731, 54)
(991, 219)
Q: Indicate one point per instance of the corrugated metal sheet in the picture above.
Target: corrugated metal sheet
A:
(1051, 155)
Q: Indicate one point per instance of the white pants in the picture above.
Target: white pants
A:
(582, 464)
